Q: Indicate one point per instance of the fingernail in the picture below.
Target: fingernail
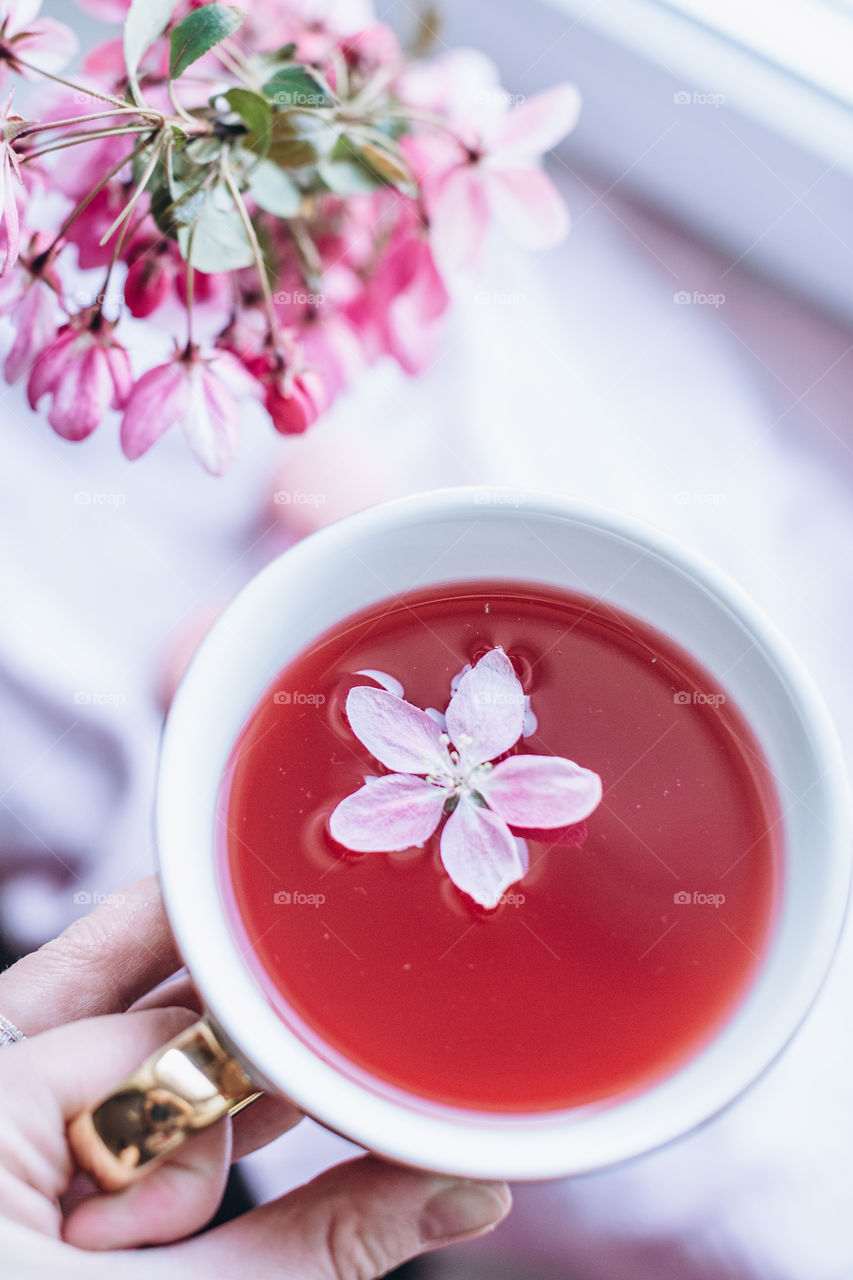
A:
(463, 1209)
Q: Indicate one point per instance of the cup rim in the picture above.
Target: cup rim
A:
(464, 1144)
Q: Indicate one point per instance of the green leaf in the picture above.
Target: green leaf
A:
(356, 168)
(162, 211)
(203, 151)
(218, 236)
(391, 167)
(199, 32)
(301, 138)
(274, 191)
(175, 206)
(254, 111)
(146, 20)
(189, 208)
(348, 177)
(298, 87)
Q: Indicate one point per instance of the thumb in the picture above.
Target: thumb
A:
(355, 1222)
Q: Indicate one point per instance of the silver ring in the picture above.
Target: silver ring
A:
(9, 1033)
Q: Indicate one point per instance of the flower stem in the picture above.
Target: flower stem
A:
(190, 287)
(69, 84)
(127, 212)
(232, 57)
(40, 126)
(263, 277)
(117, 248)
(309, 256)
(80, 139)
(371, 91)
(179, 110)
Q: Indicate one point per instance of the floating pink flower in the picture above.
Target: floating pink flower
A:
(85, 371)
(46, 44)
(501, 175)
(436, 772)
(195, 392)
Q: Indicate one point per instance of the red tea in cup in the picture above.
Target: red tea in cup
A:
(625, 947)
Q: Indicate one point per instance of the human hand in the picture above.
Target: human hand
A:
(87, 1004)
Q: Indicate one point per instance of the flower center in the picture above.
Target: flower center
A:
(458, 777)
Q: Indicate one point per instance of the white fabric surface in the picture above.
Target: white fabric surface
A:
(578, 373)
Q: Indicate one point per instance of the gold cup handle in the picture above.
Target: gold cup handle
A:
(190, 1083)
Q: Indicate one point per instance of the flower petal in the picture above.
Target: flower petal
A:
(459, 218)
(119, 365)
(34, 318)
(210, 421)
(541, 791)
(409, 317)
(390, 683)
(528, 206)
(538, 124)
(50, 365)
(156, 402)
(388, 814)
(10, 217)
(479, 853)
(82, 395)
(20, 14)
(48, 45)
(400, 736)
(487, 709)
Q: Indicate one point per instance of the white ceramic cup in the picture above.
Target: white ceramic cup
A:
(481, 534)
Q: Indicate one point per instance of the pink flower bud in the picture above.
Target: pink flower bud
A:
(150, 278)
(294, 401)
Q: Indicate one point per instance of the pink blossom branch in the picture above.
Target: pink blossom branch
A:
(82, 138)
(47, 125)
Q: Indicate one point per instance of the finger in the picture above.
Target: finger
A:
(100, 964)
(173, 1201)
(177, 993)
(76, 1066)
(71, 1068)
(355, 1222)
(259, 1124)
(57, 1075)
